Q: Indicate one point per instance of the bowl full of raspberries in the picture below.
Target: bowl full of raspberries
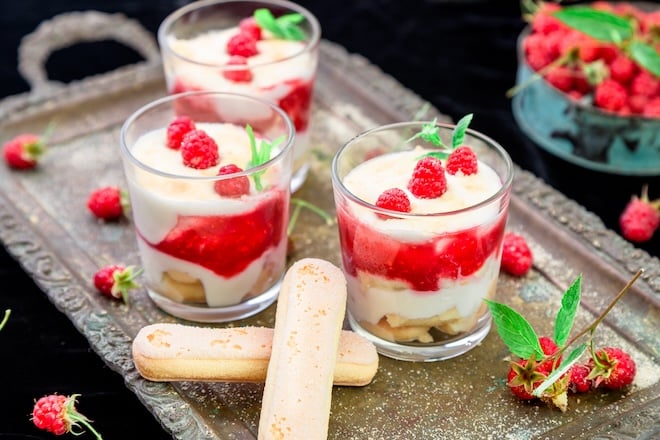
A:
(588, 83)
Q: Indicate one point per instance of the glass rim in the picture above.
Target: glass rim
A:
(310, 45)
(504, 188)
(126, 151)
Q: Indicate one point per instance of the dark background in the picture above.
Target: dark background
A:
(459, 55)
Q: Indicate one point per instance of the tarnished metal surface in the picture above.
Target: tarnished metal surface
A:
(45, 225)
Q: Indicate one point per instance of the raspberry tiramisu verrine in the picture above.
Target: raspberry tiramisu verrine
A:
(267, 49)
(421, 210)
(210, 202)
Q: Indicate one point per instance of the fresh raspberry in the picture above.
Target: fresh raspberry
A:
(652, 108)
(243, 44)
(589, 50)
(644, 83)
(108, 203)
(394, 199)
(637, 103)
(23, 151)
(544, 22)
(177, 129)
(58, 415)
(462, 159)
(640, 218)
(622, 69)
(428, 179)
(237, 75)
(560, 77)
(611, 368)
(199, 150)
(115, 281)
(610, 95)
(535, 52)
(249, 26)
(549, 349)
(233, 187)
(579, 381)
(524, 377)
(517, 257)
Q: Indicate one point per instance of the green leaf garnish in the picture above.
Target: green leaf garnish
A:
(459, 131)
(260, 154)
(284, 27)
(561, 369)
(600, 25)
(430, 132)
(298, 205)
(570, 302)
(646, 56)
(516, 332)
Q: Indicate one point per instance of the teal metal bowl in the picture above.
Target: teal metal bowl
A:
(580, 133)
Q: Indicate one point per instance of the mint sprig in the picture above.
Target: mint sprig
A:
(430, 132)
(521, 339)
(260, 154)
(284, 27)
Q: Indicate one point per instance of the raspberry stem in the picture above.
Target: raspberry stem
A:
(592, 327)
(539, 74)
(299, 204)
(74, 418)
(5, 318)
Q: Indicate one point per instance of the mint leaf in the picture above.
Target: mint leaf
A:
(285, 27)
(260, 155)
(646, 56)
(430, 132)
(516, 332)
(459, 132)
(566, 315)
(561, 369)
(600, 25)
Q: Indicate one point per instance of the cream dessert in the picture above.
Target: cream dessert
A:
(199, 244)
(252, 60)
(420, 250)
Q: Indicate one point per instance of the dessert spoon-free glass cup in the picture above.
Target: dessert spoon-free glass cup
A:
(417, 280)
(193, 41)
(212, 245)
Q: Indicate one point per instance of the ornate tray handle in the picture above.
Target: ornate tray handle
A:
(67, 29)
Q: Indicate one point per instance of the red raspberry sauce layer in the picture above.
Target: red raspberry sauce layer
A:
(226, 245)
(421, 264)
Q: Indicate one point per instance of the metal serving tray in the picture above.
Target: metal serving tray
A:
(45, 226)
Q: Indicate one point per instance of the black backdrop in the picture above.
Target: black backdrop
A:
(459, 55)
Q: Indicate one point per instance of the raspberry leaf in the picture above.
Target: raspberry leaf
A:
(284, 27)
(570, 302)
(558, 372)
(646, 56)
(516, 332)
(600, 25)
(459, 132)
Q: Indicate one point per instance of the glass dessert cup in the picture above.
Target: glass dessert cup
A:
(212, 245)
(417, 280)
(194, 46)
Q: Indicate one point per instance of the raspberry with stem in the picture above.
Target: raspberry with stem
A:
(58, 415)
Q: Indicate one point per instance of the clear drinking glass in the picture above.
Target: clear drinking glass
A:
(195, 46)
(212, 245)
(417, 279)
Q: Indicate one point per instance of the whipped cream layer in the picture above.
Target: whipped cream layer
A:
(277, 62)
(368, 180)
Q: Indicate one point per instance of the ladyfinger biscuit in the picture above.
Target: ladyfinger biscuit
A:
(308, 320)
(166, 352)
